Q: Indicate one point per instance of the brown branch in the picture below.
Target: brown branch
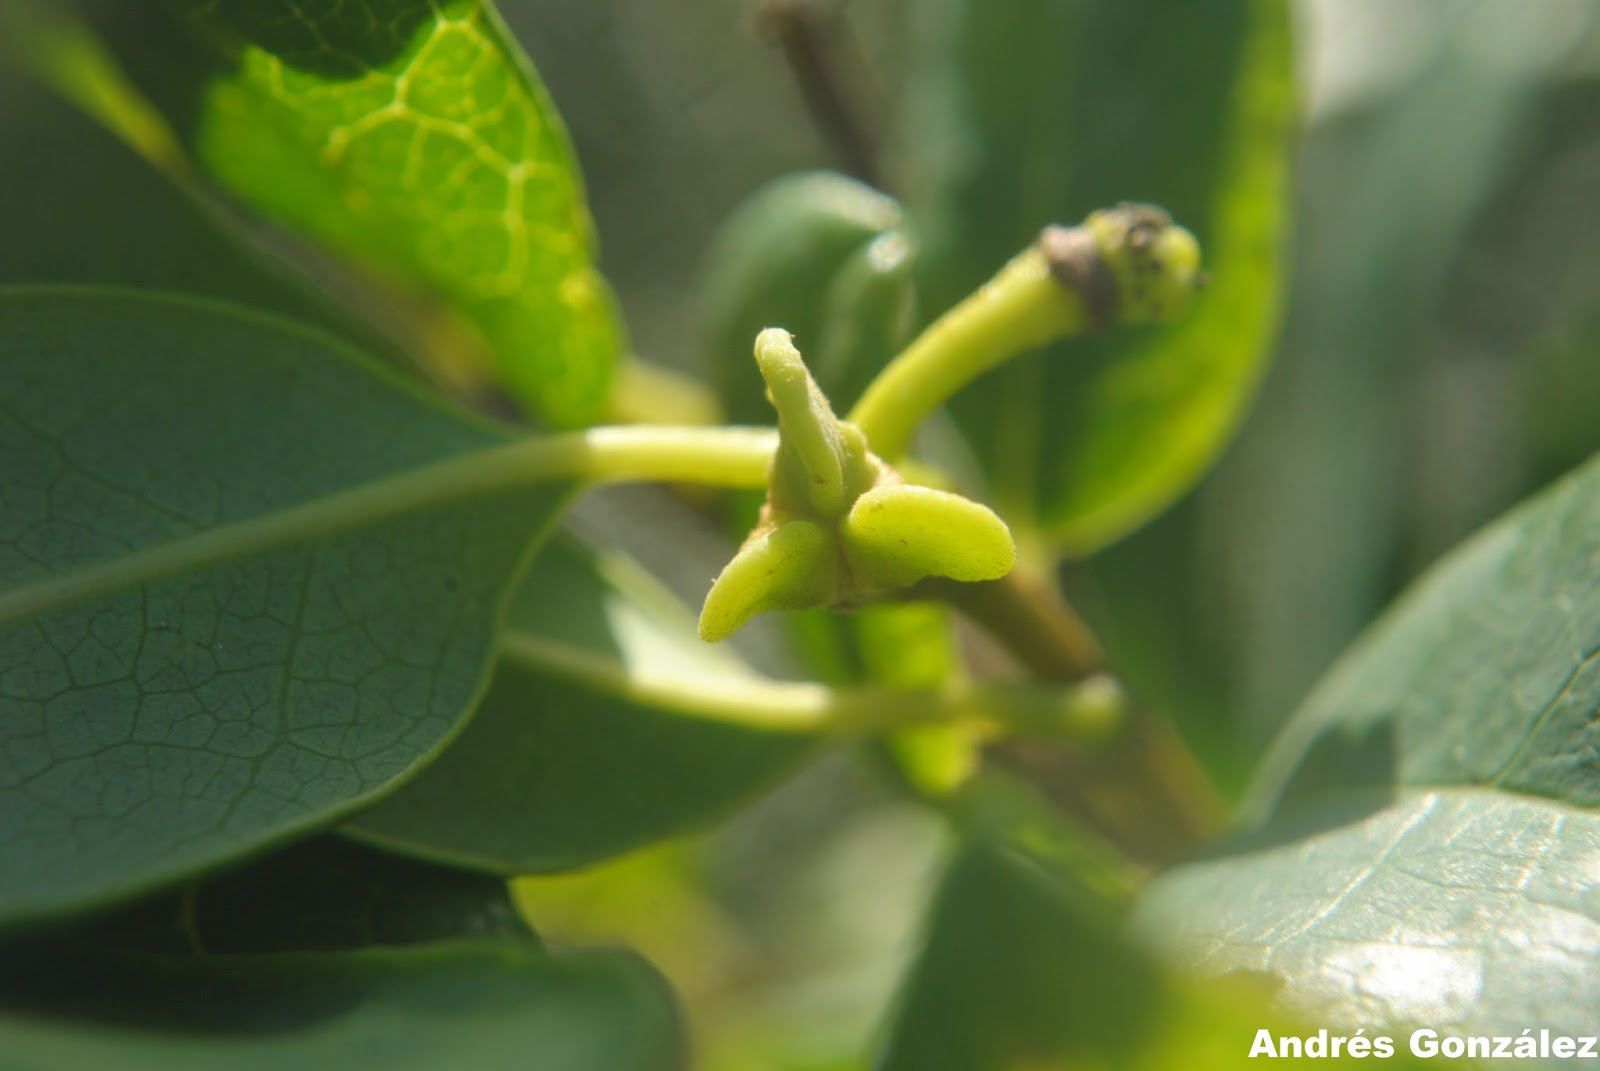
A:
(808, 32)
(1144, 789)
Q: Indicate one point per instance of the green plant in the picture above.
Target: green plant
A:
(310, 645)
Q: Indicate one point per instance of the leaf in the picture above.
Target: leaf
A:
(776, 261)
(1021, 969)
(325, 894)
(471, 1003)
(562, 768)
(413, 139)
(1432, 854)
(327, 955)
(247, 585)
(1042, 112)
(62, 227)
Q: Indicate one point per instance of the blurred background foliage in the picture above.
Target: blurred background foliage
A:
(1432, 367)
(1435, 363)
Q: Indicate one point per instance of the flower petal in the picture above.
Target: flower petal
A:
(792, 567)
(897, 535)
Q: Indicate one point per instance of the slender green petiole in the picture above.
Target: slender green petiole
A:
(1084, 712)
(1021, 308)
(721, 457)
(1125, 265)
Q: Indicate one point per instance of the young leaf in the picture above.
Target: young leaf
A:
(235, 601)
(415, 140)
(1064, 107)
(559, 769)
(1433, 851)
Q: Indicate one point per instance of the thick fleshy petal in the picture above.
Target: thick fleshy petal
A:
(792, 567)
(897, 535)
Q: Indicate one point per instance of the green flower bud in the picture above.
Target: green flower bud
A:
(1153, 263)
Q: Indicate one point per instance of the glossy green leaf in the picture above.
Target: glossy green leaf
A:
(414, 140)
(562, 768)
(1042, 112)
(238, 599)
(1433, 852)
(471, 1003)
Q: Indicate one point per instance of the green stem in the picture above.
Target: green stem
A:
(1025, 613)
(65, 55)
(1124, 265)
(721, 457)
(1022, 307)
(1084, 713)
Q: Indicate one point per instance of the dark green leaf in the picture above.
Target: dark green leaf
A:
(478, 1004)
(60, 225)
(559, 768)
(1051, 109)
(1024, 968)
(1432, 855)
(413, 139)
(321, 895)
(236, 602)
(1003, 977)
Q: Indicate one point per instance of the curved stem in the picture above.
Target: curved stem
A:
(722, 457)
(1024, 612)
(712, 457)
(1127, 265)
(1085, 712)
(1022, 307)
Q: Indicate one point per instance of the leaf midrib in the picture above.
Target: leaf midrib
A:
(585, 457)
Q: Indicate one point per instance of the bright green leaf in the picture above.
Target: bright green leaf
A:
(559, 769)
(1433, 854)
(479, 1004)
(414, 139)
(220, 624)
(1042, 112)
